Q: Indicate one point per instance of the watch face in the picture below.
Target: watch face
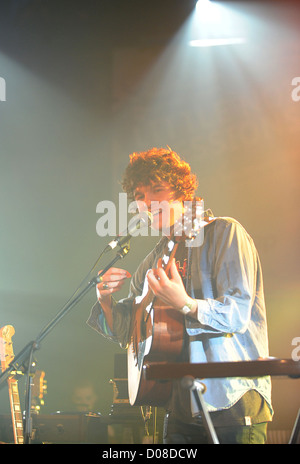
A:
(186, 309)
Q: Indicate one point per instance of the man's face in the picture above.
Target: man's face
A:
(160, 200)
(84, 398)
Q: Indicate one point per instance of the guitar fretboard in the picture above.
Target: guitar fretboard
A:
(16, 412)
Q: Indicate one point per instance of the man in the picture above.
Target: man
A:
(84, 397)
(217, 285)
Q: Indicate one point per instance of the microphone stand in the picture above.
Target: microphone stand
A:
(23, 361)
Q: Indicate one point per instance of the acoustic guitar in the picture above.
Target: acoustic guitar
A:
(157, 331)
(7, 355)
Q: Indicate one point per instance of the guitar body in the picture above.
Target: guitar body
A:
(156, 336)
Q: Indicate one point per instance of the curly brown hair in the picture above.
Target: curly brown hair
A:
(158, 165)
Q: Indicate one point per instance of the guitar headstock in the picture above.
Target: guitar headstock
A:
(188, 228)
(6, 346)
(39, 390)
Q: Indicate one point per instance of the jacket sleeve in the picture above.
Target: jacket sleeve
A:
(121, 311)
(230, 279)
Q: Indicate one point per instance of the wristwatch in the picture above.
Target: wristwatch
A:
(187, 308)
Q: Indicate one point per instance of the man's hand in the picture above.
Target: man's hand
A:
(112, 281)
(170, 290)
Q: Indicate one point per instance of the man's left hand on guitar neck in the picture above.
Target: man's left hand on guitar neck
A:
(170, 289)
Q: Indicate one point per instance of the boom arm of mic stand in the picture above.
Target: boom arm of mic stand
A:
(93, 282)
(24, 357)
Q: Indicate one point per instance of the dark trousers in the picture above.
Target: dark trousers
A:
(176, 432)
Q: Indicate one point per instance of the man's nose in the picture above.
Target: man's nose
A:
(147, 201)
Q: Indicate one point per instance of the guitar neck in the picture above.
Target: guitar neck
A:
(16, 413)
(172, 255)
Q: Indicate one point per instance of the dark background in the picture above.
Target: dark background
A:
(87, 83)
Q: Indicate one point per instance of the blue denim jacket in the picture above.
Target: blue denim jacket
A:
(226, 280)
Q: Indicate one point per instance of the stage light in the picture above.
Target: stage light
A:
(202, 3)
(205, 10)
(216, 42)
(215, 24)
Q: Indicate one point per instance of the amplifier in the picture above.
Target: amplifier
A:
(61, 428)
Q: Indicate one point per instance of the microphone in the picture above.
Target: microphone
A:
(139, 221)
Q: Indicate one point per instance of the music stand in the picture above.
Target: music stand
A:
(253, 368)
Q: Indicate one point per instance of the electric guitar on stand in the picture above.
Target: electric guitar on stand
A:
(7, 355)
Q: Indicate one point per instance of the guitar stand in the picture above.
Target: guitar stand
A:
(198, 389)
(23, 361)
